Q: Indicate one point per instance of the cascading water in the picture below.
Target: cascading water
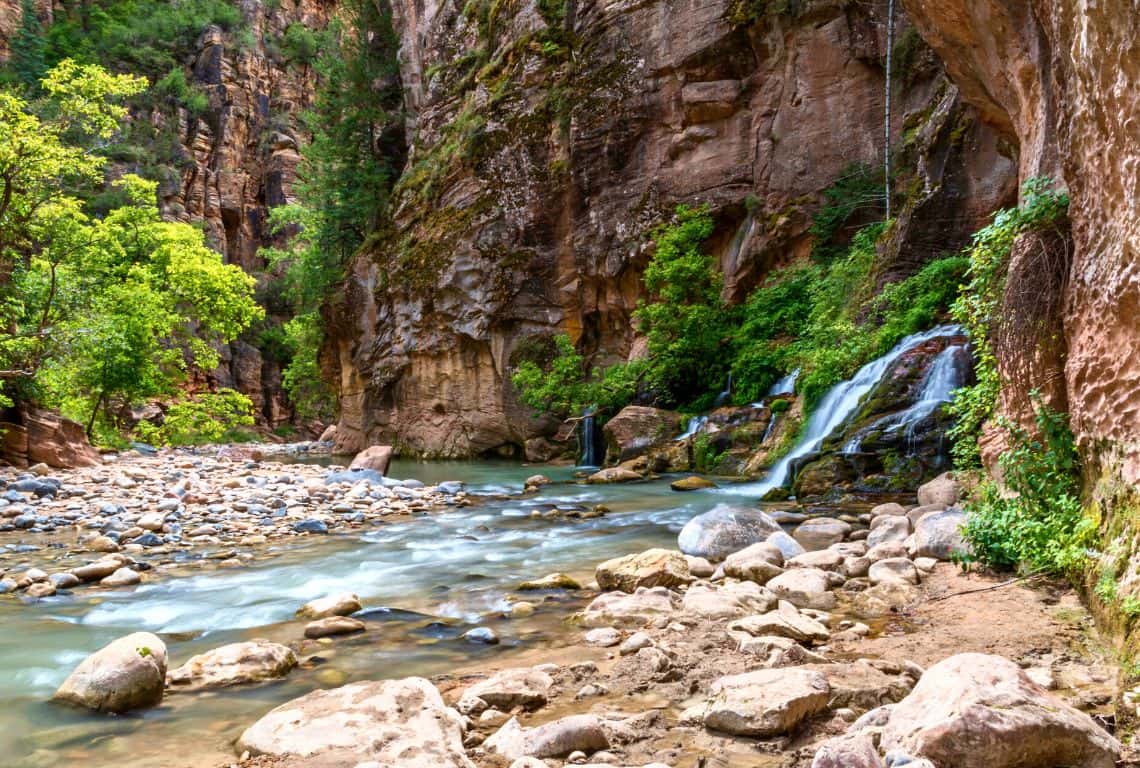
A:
(786, 385)
(588, 435)
(943, 377)
(837, 406)
(724, 397)
(694, 426)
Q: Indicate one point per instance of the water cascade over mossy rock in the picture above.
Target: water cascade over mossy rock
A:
(128, 673)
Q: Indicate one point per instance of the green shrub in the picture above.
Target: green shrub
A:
(563, 387)
(300, 44)
(1039, 524)
(780, 405)
(210, 417)
(705, 455)
(858, 188)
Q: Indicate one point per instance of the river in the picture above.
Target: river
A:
(422, 582)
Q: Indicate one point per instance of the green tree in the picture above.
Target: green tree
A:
(28, 46)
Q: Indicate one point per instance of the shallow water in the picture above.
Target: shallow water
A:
(423, 582)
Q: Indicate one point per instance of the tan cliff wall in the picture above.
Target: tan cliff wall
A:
(1059, 77)
(581, 128)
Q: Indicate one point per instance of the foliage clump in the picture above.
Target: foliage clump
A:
(209, 417)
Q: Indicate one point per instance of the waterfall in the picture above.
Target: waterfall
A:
(940, 381)
(840, 402)
(694, 426)
(588, 435)
(726, 395)
(786, 385)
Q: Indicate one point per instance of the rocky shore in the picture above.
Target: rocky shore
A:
(830, 643)
(138, 516)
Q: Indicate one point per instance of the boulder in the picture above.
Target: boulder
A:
(122, 577)
(636, 429)
(233, 664)
(343, 726)
(329, 435)
(727, 601)
(890, 508)
(823, 559)
(692, 483)
(804, 588)
(759, 563)
(893, 569)
(651, 568)
(852, 751)
(944, 490)
(783, 622)
(725, 529)
(374, 457)
(332, 626)
(917, 513)
(821, 533)
(551, 581)
(885, 529)
(40, 436)
(939, 535)
(343, 604)
(861, 685)
(978, 711)
(575, 733)
(621, 609)
(766, 702)
(787, 544)
(524, 687)
(614, 475)
(128, 673)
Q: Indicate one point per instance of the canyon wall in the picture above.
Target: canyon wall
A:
(549, 139)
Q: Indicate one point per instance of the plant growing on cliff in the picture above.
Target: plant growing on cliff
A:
(561, 384)
(978, 305)
(1038, 524)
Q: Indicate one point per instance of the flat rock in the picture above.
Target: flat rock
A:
(725, 529)
(893, 569)
(128, 673)
(728, 600)
(343, 604)
(622, 609)
(614, 475)
(978, 711)
(551, 581)
(233, 664)
(331, 626)
(524, 687)
(651, 568)
(782, 623)
(692, 483)
(765, 703)
(340, 727)
(823, 559)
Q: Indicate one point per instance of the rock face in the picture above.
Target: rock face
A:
(534, 222)
(340, 727)
(978, 711)
(31, 435)
(129, 673)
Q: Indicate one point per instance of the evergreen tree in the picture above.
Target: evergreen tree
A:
(28, 46)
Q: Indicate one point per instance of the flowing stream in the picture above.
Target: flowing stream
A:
(436, 576)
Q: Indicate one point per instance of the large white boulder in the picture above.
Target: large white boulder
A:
(128, 673)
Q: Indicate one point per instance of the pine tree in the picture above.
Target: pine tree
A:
(28, 46)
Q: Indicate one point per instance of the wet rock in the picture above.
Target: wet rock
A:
(727, 601)
(821, 533)
(343, 604)
(551, 581)
(103, 544)
(614, 475)
(524, 687)
(311, 525)
(636, 429)
(122, 577)
(939, 535)
(692, 483)
(65, 580)
(943, 490)
(40, 589)
(979, 711)
(764, 703)
(375, 458)
(233, 664)
(621, 609)
(481, 636)
(804, 588)
(855, 751)
(652, 568)
(332, 626)
(340, 727)
(893, 569)
(128, 673)
(97, 570)
(725, 529)
(152, 522)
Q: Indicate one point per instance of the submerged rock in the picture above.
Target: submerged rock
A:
(614, 475)
(233, 664)
(692, 483)
(725, 529)
(128, 673)
(341, 727)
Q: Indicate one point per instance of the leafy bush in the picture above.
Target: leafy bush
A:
(300, 45)
(979, 303)
(211, 417)
(563, 387)
(1040, 524)
(308, 392)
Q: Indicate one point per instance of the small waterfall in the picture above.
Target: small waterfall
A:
(786, 385)
(695, 425)
(724, 397)
(840, 402)
(588, 437)
(940, 381)
(771, 426)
